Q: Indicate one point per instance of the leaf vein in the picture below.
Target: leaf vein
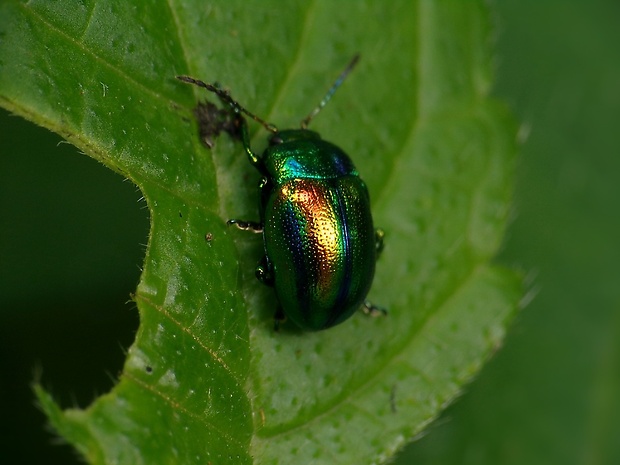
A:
(180, 408)
(186, 330)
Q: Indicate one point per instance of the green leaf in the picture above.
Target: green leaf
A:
(207, 380)
(551, 395)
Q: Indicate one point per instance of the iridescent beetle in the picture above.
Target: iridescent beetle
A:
(320, 242)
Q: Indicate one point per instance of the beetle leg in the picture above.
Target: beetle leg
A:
(278, 318)
(253, 226)
(379, 235)
(264, 271)
(373, 310)
(245, 139)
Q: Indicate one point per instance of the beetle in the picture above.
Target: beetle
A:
(319, 240)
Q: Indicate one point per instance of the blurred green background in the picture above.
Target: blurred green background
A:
(72, 238)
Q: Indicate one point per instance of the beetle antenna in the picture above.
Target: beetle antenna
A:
(225, 97)
(331, 91)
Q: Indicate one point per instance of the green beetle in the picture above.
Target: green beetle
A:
(318, 233)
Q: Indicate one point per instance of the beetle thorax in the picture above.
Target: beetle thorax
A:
(302, 154)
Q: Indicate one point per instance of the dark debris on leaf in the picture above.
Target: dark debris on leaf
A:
(213, 120)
